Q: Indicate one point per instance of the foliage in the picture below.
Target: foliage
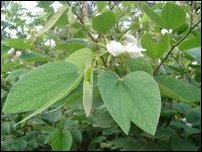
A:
(61, 89)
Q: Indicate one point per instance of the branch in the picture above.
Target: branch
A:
(82, 22)
(174, 46)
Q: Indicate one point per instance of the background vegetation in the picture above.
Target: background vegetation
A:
(30, 39)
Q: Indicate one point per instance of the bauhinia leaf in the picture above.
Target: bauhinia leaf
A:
(155, 49)
(51, 21)
(61, 140)
(135, 97)
(104, 22)
(42, 87)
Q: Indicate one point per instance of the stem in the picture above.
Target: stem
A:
(174, 46)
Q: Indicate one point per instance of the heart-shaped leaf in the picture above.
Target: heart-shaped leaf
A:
(135, 97)
(155, 49)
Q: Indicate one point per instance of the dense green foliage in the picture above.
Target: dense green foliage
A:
(101, 75)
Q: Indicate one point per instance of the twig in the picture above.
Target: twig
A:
(174, 46)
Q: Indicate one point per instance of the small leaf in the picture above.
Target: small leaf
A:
(104, 22)
(51, 21)
(178, 89)
(153, 48)
(130, 99)
(172, 16)
(151, 14)
(88, 90)
(81, 57)
(71, 45)
(61, 140)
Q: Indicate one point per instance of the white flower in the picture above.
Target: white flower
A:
(164, 31)
(131, 47)
(115, 48)
(18, 53)
(134, 50)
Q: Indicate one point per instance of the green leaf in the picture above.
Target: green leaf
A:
(88, 90)
(130, 99)
(71, 45)
(61, 140)
(153, 48)
(151, 14)
(5, 128)
(190, 43)
(34, 56)
(17, 43)
(139, 64)
(178, 89)
(172, 16)
(42, 87)
(178, 144)
(104, 22)
(194, 53)
(51, 21)
(81, 57)
(194, 116)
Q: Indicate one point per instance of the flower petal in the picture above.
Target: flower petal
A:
(115, 48)
(134, 50)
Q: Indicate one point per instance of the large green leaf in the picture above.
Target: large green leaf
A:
(88, 90)
(104, 22)
(81, 57)
(155, 49)
(172, 16)
(135, 97)
(42, 87)
(61, 140)
(151, 14)
(17, 43)
(51, 21)
(178, 89)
